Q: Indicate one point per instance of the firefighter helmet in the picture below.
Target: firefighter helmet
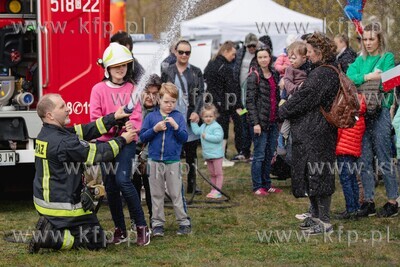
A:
(115, 55)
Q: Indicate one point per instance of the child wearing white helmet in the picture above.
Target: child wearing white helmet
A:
(114, 91)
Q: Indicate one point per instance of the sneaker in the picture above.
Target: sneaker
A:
(308, 223)
(389, 210)
(319, 229)
(302, 216)
(197, 191)
(346, 215)
(214, 195)
(143, 236)
(119, 236)
(367, 209)
(158, 231)
(260, 192)
(184, 230)
(227, 163)
(274, 190)
(238, 157)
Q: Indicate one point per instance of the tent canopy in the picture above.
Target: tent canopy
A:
(234, 20)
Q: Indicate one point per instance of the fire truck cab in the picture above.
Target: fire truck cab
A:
(46, 47)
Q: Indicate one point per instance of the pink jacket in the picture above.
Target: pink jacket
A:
(293, 79)
(105, 99)
(281, 63)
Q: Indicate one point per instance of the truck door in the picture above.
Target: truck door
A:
(74, 34)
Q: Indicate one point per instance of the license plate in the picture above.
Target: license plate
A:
(7, 158)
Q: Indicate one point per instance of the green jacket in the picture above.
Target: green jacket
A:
(361, 66)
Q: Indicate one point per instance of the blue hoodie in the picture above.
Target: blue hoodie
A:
(165, 145)
(212, 144)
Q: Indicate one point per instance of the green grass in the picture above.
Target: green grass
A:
(225, 237)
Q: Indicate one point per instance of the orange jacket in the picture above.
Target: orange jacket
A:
(350, 140)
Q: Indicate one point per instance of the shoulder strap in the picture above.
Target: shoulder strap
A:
(181, 81)
(376, 63)
(252, 69)
(332, 67)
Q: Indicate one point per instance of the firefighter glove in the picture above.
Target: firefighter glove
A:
(87, 200)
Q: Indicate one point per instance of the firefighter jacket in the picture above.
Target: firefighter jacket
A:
(60, 157)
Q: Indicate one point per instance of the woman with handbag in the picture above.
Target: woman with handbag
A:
(365, 72)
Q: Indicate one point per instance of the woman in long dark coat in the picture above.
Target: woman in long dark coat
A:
(313, 138)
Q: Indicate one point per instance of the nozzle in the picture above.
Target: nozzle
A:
(128, 110)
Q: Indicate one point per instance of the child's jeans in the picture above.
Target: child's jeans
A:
(348, 179)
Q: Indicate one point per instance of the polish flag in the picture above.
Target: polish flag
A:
(391, 78)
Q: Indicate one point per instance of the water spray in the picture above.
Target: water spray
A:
(172, 31)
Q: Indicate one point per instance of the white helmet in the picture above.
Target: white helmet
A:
(115, 55)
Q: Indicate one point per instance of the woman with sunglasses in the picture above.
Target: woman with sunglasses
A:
(313, 138)
(190, 84)
(262, 100)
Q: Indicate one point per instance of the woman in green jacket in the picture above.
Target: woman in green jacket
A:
(377, 138)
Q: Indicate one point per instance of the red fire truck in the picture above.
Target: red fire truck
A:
(46, 46)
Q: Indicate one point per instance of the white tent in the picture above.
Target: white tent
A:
(237, 18)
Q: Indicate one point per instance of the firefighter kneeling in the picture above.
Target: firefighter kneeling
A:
(66, 207)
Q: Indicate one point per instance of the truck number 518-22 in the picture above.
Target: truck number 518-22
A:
(72, 5)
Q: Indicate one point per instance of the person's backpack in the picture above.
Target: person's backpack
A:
(244, 84)
(346, 107)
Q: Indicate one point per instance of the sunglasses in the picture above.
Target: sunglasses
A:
(180, 52)
(251, 46)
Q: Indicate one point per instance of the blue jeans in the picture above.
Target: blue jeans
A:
(348, 180)
(377, 142)
(120, 181)
(264, 149)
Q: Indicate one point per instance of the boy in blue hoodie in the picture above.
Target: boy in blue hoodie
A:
(165, 131)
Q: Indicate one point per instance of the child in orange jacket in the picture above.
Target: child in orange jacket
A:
(348, 150)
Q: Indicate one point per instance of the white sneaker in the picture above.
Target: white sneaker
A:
(227, 163)
(302, 216)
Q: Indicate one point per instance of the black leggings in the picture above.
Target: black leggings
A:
(321, 207)
(224, 119)
(190, 149)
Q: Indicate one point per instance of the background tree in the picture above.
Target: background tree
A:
(158, 13)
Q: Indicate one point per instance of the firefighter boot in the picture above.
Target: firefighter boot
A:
(143, 236)
(48, 237)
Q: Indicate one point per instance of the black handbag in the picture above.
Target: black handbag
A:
(373, 97)
(372, 94)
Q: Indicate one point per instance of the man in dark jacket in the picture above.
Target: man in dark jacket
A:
(223, 91)
(244, 57)
(345, 55)
(66, 208)
(169, 60)
(190, 83)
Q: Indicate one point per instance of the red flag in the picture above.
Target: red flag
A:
(391, 78)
